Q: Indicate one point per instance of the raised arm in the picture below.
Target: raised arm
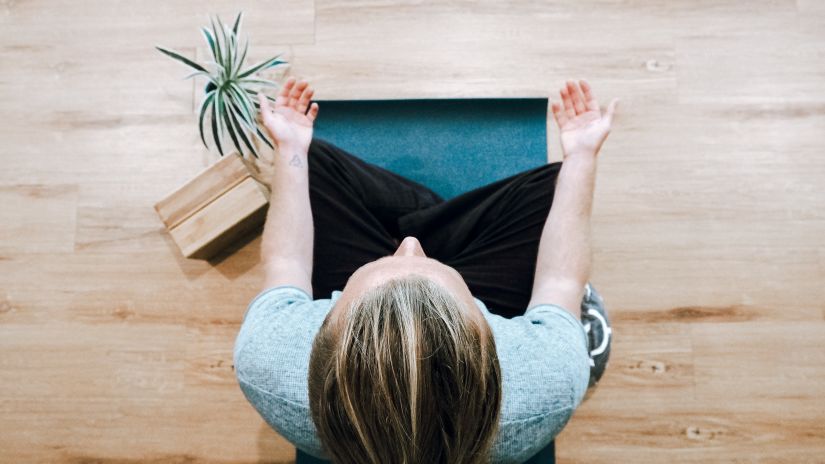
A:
(286, 249)
(563, 263)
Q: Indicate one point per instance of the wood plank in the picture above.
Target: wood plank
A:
(128, 386)
(37, 218)
(144, 24)
(751, 66)
(681, 433)
(100, 287)
(482, 49)
(204, 188)
(741, 190)
(754, 372)
(708, 220)
(222, 221)
(115, 217)
(652, 362)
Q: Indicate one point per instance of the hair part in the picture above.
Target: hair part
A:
(405, 375)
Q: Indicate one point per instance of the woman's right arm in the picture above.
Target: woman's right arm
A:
(564, 255)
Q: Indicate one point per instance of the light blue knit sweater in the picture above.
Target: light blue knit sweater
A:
(543, 357)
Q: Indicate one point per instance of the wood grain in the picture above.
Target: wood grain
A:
(201, 190)
(224, 220)
(708, 221)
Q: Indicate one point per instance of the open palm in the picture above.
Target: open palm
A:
(289, 123)
(583, 126)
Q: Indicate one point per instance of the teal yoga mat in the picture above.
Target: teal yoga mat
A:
(449, 145)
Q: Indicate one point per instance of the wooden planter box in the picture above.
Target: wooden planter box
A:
(212, 210)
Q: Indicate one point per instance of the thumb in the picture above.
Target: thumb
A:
(611, 110)
(266, 115)
(266, 153)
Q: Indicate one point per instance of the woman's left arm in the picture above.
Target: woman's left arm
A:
(286, 249)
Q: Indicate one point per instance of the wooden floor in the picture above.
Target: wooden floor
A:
(709, 216)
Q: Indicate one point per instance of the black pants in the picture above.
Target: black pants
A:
(490, 235)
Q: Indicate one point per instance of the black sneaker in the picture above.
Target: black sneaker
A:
(599, 333)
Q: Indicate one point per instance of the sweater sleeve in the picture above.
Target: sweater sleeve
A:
(271, 357)
(545, 372)
(568, 345)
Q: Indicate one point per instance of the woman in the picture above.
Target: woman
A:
(362, 348)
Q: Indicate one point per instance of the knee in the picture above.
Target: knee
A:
(318, 155)
(322, 153)
(545, 174)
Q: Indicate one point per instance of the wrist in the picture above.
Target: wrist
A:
(292, 156)
(292, 148)
(581, 159)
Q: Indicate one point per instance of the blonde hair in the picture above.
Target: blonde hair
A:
(405, 376)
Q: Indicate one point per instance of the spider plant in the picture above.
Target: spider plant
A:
(231, 93)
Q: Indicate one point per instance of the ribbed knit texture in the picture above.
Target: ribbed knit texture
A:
(542, 354)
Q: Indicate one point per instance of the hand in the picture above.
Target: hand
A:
(289, 123)
(583, 126)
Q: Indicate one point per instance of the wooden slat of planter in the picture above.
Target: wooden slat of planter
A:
(230, 215)
(204, 188)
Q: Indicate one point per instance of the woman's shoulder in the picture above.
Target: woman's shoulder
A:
(274, 343)
(272, 357)
(545, 370)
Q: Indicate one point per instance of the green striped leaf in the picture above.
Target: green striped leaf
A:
(216, 126)
(250, 116)
(226, 51)
(218, 50)
(210, 41)
(182, 59)
(260, 67)
(263, 137)
(263, 82)
(238, 98)
(217, 76)
(251, 99)
(255, 130)
(241, 60)
(229, 127)
(204, 109)
(198, 73)
(232, 46)
(241, 129)
(237, 26)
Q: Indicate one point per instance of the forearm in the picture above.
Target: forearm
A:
(288, 232)
(564, 255)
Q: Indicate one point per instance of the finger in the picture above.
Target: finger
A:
(561, 118)
(303, 102)
(611, 110)
(296, 92)
(313, 112)
(589, 100)
(283, 95)
(568, 103)
(576, 96)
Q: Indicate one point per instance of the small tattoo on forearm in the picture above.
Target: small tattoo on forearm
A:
(296, 161)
